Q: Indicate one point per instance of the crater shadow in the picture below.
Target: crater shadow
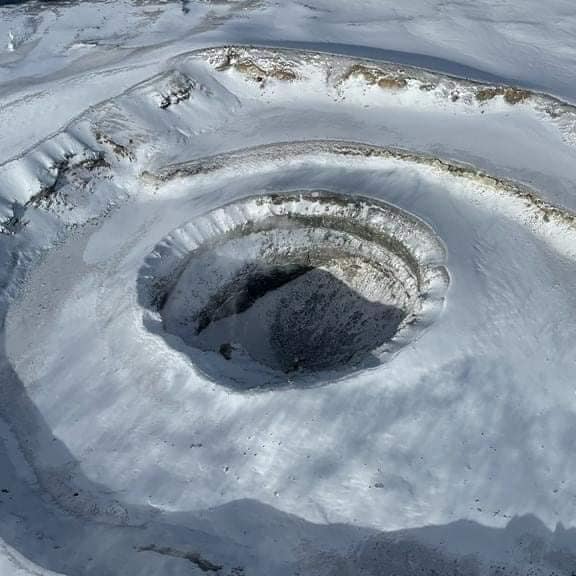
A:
(304, 320)
(280, 325)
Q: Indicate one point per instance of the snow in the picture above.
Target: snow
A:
(135, 146)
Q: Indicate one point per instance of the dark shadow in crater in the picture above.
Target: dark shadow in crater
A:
(323, 323)
(237, 299)
(290, 325)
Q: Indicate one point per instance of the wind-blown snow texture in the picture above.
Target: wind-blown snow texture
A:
(134, 135)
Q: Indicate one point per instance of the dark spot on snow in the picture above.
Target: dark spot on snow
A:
(194, 557)
(226, 350)
(118, 149)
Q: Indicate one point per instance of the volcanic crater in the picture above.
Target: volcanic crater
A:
(285, 289)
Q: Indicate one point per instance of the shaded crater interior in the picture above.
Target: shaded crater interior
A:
(298, 317)
(292, 291)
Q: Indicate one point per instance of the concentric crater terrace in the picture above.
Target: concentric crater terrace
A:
(280, 288)
(220, 249)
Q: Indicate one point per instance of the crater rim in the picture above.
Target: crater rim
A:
(376, 264)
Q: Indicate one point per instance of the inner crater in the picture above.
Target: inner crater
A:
(295, 284)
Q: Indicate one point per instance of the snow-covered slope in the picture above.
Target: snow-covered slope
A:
(297, 309)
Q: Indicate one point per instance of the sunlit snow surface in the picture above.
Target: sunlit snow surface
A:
(158, 160)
